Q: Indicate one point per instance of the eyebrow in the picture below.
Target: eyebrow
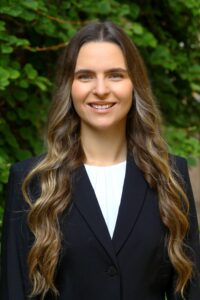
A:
(107, 71)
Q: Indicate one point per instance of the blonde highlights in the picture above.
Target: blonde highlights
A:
(151, 156)
(65, 154)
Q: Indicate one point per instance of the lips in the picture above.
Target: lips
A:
(101, 106)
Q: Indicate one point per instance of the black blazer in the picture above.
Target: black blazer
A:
(133, 265)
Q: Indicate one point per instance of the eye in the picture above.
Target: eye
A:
(116, 76)
(84, 77)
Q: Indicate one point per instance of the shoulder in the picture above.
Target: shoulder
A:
(23, 167)
(178, 161)
(179, 164)
(180, 167)
(18, 171)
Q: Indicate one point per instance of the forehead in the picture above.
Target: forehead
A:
(100, 55)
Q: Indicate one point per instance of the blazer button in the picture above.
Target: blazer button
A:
(112, 271)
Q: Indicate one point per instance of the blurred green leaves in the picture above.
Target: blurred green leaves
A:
(183, 143)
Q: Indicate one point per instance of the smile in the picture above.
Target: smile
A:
(102, 106)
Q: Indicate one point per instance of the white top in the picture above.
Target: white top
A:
(107, 182)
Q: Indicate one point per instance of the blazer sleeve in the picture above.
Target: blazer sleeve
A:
(193, 289)
(14, 275)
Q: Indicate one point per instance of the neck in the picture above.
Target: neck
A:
(103, 148)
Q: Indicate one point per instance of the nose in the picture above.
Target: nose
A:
(101, 88)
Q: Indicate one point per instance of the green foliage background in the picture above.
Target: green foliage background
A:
(32, 35)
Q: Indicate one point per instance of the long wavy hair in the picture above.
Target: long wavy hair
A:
(65, 154)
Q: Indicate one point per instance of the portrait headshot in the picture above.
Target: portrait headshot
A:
(106, 211)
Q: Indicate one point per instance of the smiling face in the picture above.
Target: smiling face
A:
(101, 90)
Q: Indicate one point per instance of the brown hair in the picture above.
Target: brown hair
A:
(65, 154)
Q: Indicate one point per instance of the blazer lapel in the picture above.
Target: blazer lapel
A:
(133, 196)
(85, 200)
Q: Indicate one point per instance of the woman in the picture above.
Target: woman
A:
(106, 213)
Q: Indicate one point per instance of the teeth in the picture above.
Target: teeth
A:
(102, 106)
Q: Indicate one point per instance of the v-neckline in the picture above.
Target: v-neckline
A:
(132, 200)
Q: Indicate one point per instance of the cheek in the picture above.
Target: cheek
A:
(125, 93)
(75, 92)
(79, 92)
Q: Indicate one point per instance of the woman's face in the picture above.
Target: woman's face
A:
(102, 89)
